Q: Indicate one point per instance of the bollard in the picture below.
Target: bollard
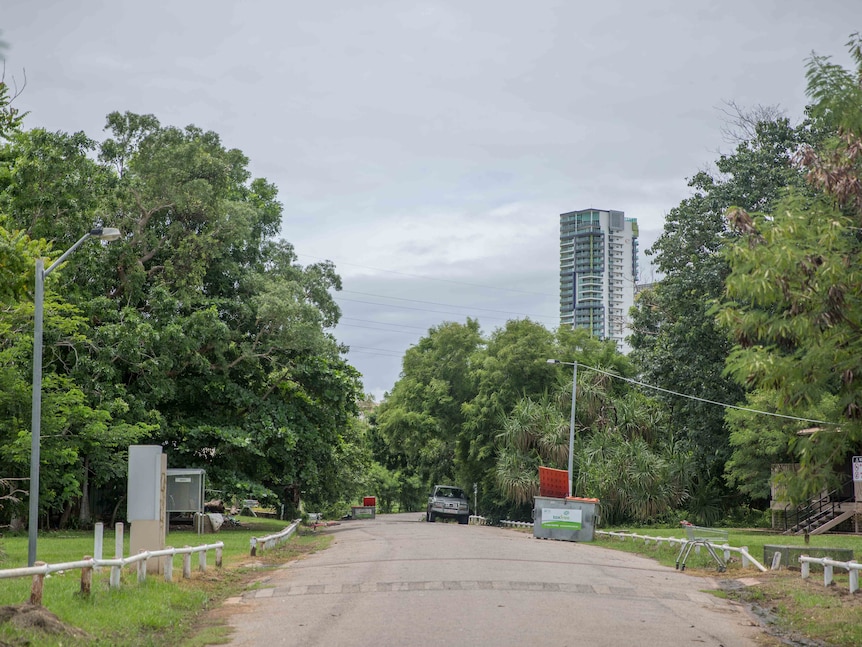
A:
(854, 578)
(827, 574)
(187, 565)
(806, 570)
(86, 578)
(202, 561)
(36, 587)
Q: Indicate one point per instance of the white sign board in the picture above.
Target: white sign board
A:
(567, 518)
(857, 468)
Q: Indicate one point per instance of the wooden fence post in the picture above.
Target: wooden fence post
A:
(187, 565)
(36, 587)
(86, 578)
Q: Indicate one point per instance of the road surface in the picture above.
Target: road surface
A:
(397, 580)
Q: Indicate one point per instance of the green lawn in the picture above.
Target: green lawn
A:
(155, 613)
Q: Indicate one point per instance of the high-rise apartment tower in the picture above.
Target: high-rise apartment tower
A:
(598, 271)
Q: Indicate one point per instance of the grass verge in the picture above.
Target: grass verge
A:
(789, 607)
(152, 614)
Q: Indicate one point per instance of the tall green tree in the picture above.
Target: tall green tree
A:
(793, 297)
(677, 341)
(420, 420)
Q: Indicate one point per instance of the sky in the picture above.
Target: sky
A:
(428, 148)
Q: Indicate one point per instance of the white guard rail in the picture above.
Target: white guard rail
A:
(726, 548)
(271, 541)
(86, 565)
(828, 565)
(516, 524)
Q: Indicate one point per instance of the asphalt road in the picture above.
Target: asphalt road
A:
(397, 580)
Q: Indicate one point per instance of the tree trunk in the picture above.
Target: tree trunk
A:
(84, 516)
(64, 518)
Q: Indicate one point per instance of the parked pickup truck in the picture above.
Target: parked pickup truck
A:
(447, 501)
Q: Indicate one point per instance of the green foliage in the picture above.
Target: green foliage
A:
(793, 301)
(197, 330)
(677, 341)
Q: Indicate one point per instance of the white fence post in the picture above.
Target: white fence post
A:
(169, 566)
(98, 541)
(142, 568)
(854, 578)
(187, 565)
(202, 560)
(806, 570)
(116, 570)
(827, 574)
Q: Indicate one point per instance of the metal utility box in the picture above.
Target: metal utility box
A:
(186, 490)
(568, 519)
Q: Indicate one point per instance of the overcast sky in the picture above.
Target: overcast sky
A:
(428, 148)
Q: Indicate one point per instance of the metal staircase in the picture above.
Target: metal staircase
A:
(821, 514)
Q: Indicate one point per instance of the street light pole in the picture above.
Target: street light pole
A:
(574, 366)
(103, 233)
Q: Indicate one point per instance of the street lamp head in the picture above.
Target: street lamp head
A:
(105, 233)
(553, 361)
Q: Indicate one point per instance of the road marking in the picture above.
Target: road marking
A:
(466, 585)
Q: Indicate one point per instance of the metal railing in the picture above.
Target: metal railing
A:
(271, 541)
(823, 508)
(727, 549)
(828, 565)
(40, 569)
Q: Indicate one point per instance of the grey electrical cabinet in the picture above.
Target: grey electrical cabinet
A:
(185, 492)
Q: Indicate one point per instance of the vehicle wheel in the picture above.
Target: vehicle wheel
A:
(464, 519)
(431, 517)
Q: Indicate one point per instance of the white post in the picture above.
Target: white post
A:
(854, 578)
(806, 570)
(98, 540)
(187, 565)
(169, 566)
(142, 569)
(827, 574)
(118, 554)
(118, 541)
(745, 561)
(202, 560)
(776, 560)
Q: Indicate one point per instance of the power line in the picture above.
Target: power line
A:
(427, 278)
(447, 305)
(694, 397)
